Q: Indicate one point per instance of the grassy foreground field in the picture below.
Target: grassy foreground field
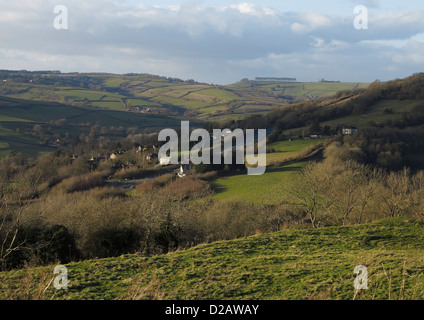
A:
(291, 264)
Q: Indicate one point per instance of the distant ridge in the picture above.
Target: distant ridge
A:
(274, 79)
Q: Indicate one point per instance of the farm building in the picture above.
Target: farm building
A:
(164, 161)
(348, 131)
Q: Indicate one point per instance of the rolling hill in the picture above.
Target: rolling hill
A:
(155, 94)
(296, 263)
(288, 265)
(71, 103)
(19, 117)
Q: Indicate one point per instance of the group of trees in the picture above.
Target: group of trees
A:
(392, 144)
(341, 191)
(53, 210)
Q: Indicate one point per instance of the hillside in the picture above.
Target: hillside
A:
(144, 93)
(63, 207)
(67, 105)
(299, 90)
(36, 127)
(139, 93)
(291, 264)
(377, 103)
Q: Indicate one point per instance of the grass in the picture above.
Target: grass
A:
(218, 94)
(300, 89)
(285, 150)
(205, 99)
(109, 105)
(10, 140)
(179, 102)
(4, 118)
(17, 115)
(287, 265)
(263, 189)
(294, 145)
(4, 149)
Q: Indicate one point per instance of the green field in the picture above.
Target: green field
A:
(300, 89)
(262, 189)
(206, 101)
(108, 105)
(11, 140)
(16, 116)
(293, 264)
(266, 188)
(285, 150)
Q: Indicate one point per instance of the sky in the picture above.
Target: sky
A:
(219, 41)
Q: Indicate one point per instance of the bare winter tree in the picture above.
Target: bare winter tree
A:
(417, 196)
(396, 194)
(11, 209)
(309, 192)
(348, 192)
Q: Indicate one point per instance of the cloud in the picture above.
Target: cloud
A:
(207, 42)
(374, 4)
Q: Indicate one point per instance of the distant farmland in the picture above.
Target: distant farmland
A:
(152, 94)
(19, 116)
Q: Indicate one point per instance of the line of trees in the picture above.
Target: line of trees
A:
(79, 217)
(341, 191)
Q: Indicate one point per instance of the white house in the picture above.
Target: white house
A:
(348, 131)
(181, 172)
(164, 161)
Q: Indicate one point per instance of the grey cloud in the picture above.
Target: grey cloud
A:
(200, 42)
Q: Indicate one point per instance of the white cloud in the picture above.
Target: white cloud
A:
(321, 45)
(311, 21)
(220, 43)
(251, 9)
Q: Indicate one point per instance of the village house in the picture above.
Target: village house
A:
(164, 161)
(348, 131)
(181, 172)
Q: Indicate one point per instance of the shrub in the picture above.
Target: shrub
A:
(107, 192)
(129, 173)
(155, 183)
(186, 187)
(208, 176)
(42, 245)
(80, 183)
